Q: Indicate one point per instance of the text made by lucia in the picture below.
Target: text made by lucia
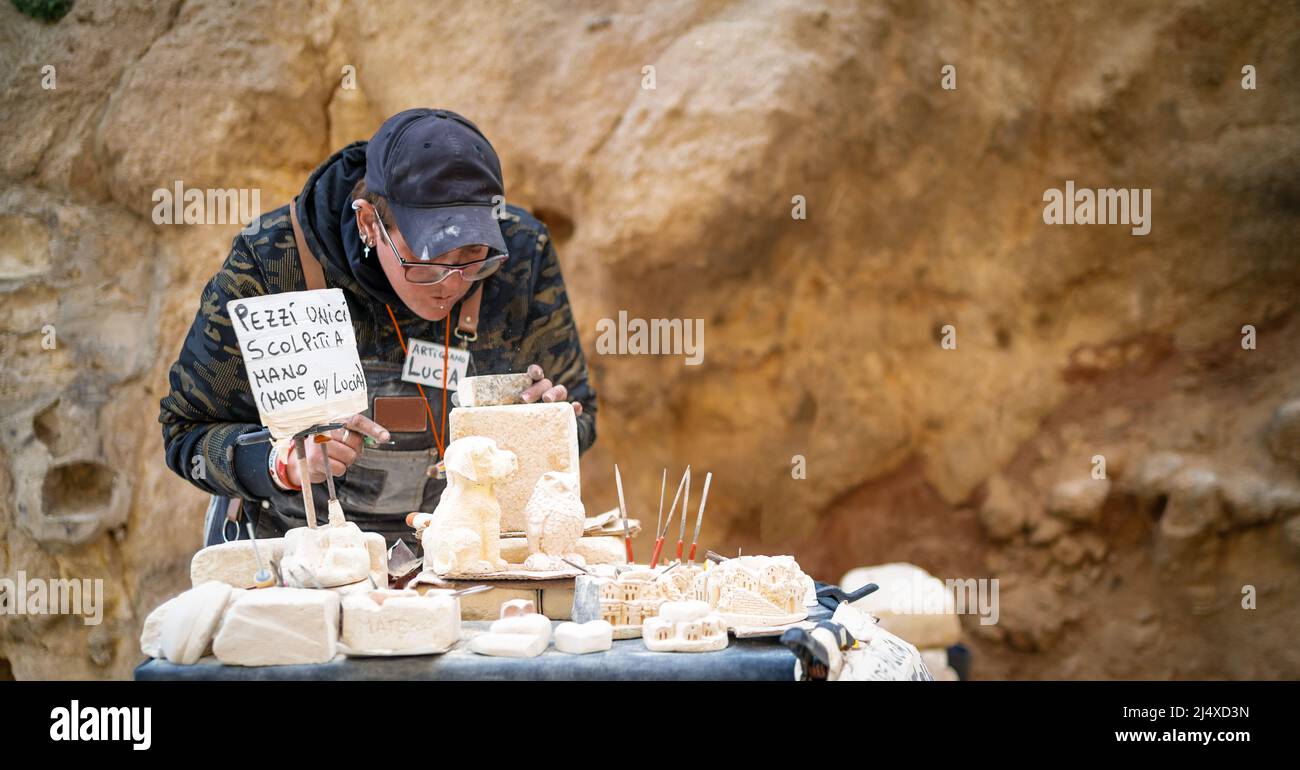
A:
(294, 389)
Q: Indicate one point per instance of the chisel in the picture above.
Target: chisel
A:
(686, 506)
(699, 519)
(659, 542)
(622, 508)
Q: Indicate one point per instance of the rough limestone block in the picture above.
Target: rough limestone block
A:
(593, 550)
(151, 633)
(191, 620)
(508, 645)
(487, 605)
(234, 563)
(279, 626)
(544, 437)
(557, 603)
(514, 607)
(582, 638)
(554, 518)
(392, 621)
(910, 603)
(492, 389)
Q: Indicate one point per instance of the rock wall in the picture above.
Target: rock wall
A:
(823, 346)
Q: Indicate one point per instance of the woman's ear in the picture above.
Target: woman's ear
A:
(366, 216)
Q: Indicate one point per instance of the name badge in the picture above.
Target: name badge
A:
(424, 364)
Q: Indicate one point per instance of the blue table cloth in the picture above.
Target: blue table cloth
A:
(763, 659)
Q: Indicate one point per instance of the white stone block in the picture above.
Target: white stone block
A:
(234, 563)
(279, 626)
(582, 638)
(508, 645)
(534, 625)
(191, 620)
(395, 622)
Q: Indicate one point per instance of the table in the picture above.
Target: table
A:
(763, 659)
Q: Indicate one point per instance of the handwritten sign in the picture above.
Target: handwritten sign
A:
(424, 364)
(301, 356)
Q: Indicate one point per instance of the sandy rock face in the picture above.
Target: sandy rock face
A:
(674, 193)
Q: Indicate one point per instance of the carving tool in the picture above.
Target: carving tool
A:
(670, 569)
(300, 447)
(302, 583)
(622, 508)
(659, 542)
(471, 590)
(659, 522)
(699, 519)
(335, 509)
(304, 476)
(263, 577)
(686, 506)
(575, 566)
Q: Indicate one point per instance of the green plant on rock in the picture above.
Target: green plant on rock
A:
(44, 10)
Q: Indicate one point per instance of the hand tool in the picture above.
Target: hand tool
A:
(335, 509)
(686, 506)
(699, 519)
(622, 508)
(659, 541)
(263, 577)
(471, 590)
(659, 522)
(575, 566)
(300, 447)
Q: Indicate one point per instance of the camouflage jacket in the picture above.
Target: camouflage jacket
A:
(524, 319)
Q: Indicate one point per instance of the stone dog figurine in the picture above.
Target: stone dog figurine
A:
(464, 536)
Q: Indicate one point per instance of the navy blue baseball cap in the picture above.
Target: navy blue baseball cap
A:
(439, 174)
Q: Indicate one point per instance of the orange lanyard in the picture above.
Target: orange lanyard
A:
(446, 360)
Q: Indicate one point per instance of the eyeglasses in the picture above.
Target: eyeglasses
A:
(428, 273)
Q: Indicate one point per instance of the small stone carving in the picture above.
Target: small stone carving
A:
(758, 590)
(464, 536)
(627, 600)
(554, 518)
(686, 626)
(333, 555)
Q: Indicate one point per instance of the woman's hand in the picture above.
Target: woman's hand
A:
(546, 391)
(344, 447)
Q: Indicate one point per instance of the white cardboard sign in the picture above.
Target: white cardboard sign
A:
(301, 355)
(424, 364)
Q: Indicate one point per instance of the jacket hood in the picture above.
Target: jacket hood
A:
(330, 227)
